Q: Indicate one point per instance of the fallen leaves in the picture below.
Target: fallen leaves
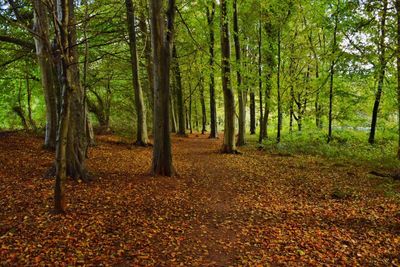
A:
(253, 210)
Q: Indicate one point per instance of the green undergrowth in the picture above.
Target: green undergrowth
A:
(347, 146)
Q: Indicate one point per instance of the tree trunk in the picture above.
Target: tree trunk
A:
(213, 107)
(229, 99)
(47, 69)
(203, 108)
(174, 125)
(179, 93)
(260, 138)
(161, 42)
(29, 98)
(241, 140)
(279, 128)
(252, 113)
(141, 127)
(332, 73)
(149, 61)
(190, 111)
(268, 88)
(381, 74)
(398, 73)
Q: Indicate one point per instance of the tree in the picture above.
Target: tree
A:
(47, 69)
(213, 109)
(141, 129)
(241, 93)
(162, 40)
(229, 99)
(381, 70)
(179, 93)
(398, 73)
(71, 137)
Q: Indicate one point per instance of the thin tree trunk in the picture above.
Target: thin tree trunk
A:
(29, 98)
(241, 140)
(179, 92)
(47, 69)
(161, 43)
(63, 31)
(89, 127)
(229, 99)
(213, 107)
(381, 74)
(190, 111)
(252, 113)
(260, 80)
(268, 88)
(173, 117)
(203, 109)
(332, 73)
(279, 128)
(141, 128)
(398, 73)
(149, 61)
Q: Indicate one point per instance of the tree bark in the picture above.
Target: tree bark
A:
(213, 107)
(203, 108)
(141, 127)
(398, 73)
(229, 99)
(260, 92)
(179, 93)
(252, 113)
(161, 42)
(149, 61)
(332, 73)
(47, 69)
(241, 140)
(279, 128)
(381, 73)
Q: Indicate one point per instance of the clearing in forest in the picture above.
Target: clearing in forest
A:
(221, 210)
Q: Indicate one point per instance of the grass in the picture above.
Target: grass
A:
(350, 146)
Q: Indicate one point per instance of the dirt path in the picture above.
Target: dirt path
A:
(221, 210)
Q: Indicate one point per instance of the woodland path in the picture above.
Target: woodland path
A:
(250, 209)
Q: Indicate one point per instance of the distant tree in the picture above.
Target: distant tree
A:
(141, 129)
(381, 69)
(213, 108)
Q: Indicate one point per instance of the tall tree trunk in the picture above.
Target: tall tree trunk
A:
(89, 126)
(260, 138)
(203, 108)
(149, 61)
(252, 113)
(241, 140)
(381, 73)
(190, 110)
(141, 129)
(161, 42)
(398, 73)
(213, 107)
(229, 99)
(268, 88)
(279, 128)
(179, 92)
(77, 127)
(29, 99)
(66, 80)
(47, 69)
(174, 125)
(332, 72)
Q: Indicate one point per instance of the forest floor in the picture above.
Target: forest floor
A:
(254, 209)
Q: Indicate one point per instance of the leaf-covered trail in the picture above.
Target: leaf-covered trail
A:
(220, 210)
